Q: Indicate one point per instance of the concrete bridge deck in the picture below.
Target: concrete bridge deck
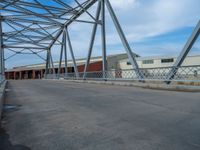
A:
(55, 115)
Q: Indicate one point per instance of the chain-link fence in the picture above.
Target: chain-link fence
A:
(2, 88)
(184, 73)
(2, 79)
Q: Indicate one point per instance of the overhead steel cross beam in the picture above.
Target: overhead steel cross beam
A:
(94, 30)
(124, 40)
(73, 18)
(34, 25)
(184, 53)
(103, 32)
(82, 10)
(22, 15)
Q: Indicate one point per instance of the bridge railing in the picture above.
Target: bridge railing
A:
(183, 73)
(2, 91)
(2, 79)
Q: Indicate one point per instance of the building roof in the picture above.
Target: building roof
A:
(79, 62)
(159, 57)
(93, 60)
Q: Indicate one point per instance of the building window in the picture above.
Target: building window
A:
(128, 63)
(147, 61)
(167, 60)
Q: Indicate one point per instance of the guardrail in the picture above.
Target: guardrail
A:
(2, 79)
(183, 73)
(2, 92)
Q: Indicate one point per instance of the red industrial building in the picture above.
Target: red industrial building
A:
(37, 71)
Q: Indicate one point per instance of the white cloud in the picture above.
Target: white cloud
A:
(121, 4)
(155, 17)
(139, 19)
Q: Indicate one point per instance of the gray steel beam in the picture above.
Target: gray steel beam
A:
(63, 4)
(74, 17)
(124, 40)
(92, 40)
(36, 53)
(47, 63)
(26, 36)
(103, 37)
(28, 30)
(1, 51)
(45, 8)
(22, 20)
(23, 26)
(61, 54)
(28, 4)
(52, 37)
(42, 19)
(184, 52)
(24, 17)
(22, 36)
(84, 10)
(15, 53)
(29, 12)
(31, 29)
(65, 53)
(52, 64)
(48, 33)
(26, 47)
(72, 54)
(11, 3)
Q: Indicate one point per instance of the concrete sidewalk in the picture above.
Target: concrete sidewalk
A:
(158, 85)
(56, 115)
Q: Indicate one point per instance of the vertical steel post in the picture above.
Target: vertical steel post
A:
(103, 37)
(61, 54)
(72, 54)
(3, 62)
(52, 64)
(124, 40)
(184, 53)
(65, 53)
(1, 51)
(47, 64)
(92, 39)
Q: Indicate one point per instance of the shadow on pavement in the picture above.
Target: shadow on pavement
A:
(5, 143)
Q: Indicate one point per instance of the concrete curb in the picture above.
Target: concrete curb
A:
(157, 86)
(2, 94)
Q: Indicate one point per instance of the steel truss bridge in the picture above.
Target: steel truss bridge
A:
(35, 26)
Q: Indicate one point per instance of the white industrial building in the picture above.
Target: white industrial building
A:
(158, 67)
(159, 62)
(117, 64)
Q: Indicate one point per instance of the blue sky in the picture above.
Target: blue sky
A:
(152, 27)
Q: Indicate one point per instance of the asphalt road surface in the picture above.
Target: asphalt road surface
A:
(60, 115)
